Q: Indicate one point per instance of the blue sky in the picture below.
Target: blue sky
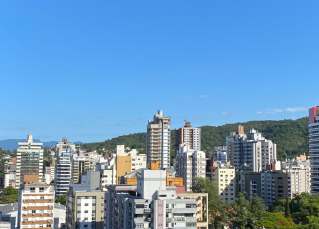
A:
(93, 70)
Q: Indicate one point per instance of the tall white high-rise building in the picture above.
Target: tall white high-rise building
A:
(189, 135)
(29, 160)
(314, 148)
(158, 140)
(252, 150)
(189, 164)
(63, 166)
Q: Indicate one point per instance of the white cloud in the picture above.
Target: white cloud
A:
(225, 113)
(281, 110)
(187, 97)
(295, 109)
(204, 96)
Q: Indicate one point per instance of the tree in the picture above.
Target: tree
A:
(240, 215)
(10, 195)
(61, 199)
(287, 209)
(217, 214)
(258, 210)
(275, 221)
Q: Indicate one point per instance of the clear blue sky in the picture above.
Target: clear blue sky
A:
(93, 70)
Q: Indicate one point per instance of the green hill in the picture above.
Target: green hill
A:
(291, 136)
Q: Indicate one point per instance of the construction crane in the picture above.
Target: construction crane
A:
(187, 123)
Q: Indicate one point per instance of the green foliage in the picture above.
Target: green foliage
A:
(133, 141)
(291, 137)
(275, 221)
(304, 210)
(61, 199)
(287, 209)
(279, 206)
(10, 195)
(2, 161)
(258, 210)
(217, 214)
(240, 215)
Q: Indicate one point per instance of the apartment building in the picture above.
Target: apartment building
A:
(149, 204)
(85, 207)
(158, 140)
(120, 164)
(171, 179)
(63, 166)
(270, 185)
(29, 160)
(252, 150)
(189, 164)
(36, 204)
(313, 148)
(50, 172)
(251, 183)
(9, 171)
(220, 154)
(224, 177)
(201, 207)
(188, 135)
(299, 169)
(80, 161)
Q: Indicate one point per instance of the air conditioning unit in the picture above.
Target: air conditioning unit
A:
(33, 221)
(41, 213)
(49, 221)
(33, 213)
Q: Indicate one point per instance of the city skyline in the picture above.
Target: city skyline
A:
(93, 71)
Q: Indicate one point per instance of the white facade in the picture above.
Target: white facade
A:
(63, 166)
(158, 140)
(189, 164)
(29, 160)
(225, 180)
(9, 177)
(252, 150)
(150, 204)
(36, 206)
(220, 154)
(85, 207)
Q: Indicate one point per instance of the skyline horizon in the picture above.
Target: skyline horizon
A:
(94, 71)
(84, 142)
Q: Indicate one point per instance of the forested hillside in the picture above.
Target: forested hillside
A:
(291, 136)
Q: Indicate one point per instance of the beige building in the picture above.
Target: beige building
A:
(85, 208)
(158, 140)
(120, 164)
(36, 204)
(202, 204)
(80, 163)
(299, 180)
(29, 160)
(188, 135)
(225, 180)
